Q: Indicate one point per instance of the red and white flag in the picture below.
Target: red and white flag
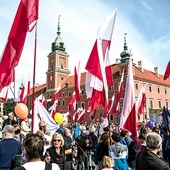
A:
(140, 103)
(24, 21)
(111, 103)
(56, 95)
(77, 75)
(128, 117)
(81, 115)
(72, 102)
(41, 98)
(167, 71)
(4, 94)
(119, 94)
(99, 75)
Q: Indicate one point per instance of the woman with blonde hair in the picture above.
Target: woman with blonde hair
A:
(55, 154)
(108, 163)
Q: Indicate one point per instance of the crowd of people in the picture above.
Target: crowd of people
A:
(82, 146)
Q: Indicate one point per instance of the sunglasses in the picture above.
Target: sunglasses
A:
(56, 140)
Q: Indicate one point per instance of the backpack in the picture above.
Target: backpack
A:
(48, 166)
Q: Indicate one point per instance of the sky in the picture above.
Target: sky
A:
(145, 22)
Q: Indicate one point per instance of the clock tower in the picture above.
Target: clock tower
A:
(58, 71)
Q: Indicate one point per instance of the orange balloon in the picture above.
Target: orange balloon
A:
(21, 110)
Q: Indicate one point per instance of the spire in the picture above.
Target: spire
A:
(58, 31)
(125, 54)
(125, 46)
(58, 44)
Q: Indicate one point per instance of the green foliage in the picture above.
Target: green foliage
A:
(9, 106)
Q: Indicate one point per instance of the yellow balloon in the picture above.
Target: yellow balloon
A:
(58, 117)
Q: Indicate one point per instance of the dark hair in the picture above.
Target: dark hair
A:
(124, 132)
(116, 137)
(34, 146)
(142, 136)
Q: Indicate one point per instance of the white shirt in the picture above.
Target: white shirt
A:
(39, 165)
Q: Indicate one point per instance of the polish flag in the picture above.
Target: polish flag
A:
(128, 117)
(41, 98)
(4, 94)
(167, 71)
(25, 20)
(140, 103)
(77, 75)
(75, 116)
(72, 102)
(81, 115)
(56, 95)
(53, 110)
(99, 75)
(111, 102)
(119, 94)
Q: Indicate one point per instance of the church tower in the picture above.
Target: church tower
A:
(58, 71)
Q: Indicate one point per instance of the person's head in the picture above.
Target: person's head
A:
(104, 138)
(8, 131)
(33, 147)
(108, 162)
(124, 133)
(115, 137)
(83, 130)
(141, 138)
(11, 115)
(57, 140)
(67, 132)
(17, 129)
(42, 126)
(153, 141)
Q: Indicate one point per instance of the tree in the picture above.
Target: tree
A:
(9, 106)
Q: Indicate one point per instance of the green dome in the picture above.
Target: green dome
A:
(58, 44)
(125, 54)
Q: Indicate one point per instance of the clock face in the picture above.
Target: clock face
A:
(62, 60)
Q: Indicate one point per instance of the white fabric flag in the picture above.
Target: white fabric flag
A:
(41, 114)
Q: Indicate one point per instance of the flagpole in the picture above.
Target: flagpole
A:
(34, 67)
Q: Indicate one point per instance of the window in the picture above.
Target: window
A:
(151, 104)
(82, 91)
(110, 88)
(63, 102)
(158, 90)
(63, 94)
(150, 88)
(165, 91)
(51, 78)
(111, 117)
(51, 86)
(136, 86)
(62, 78)
(83, 105)
(58, 102)
(166, 104)
(69, 93)
(159, 103)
